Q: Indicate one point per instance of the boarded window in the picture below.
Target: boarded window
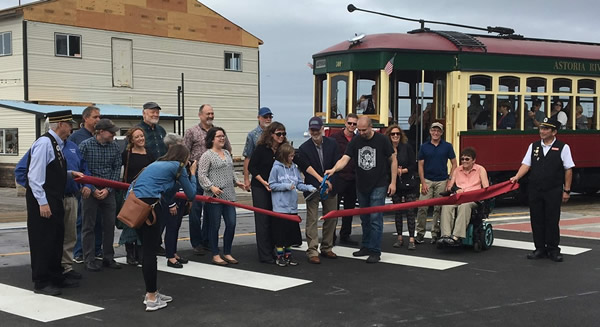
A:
(122, 62)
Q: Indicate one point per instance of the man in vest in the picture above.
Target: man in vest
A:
(550, 163)
(46, 180)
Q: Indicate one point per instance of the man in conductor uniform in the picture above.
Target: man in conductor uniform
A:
(46, 180)
(550, 165)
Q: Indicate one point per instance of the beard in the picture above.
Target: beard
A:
(209, 121)
(153, 121)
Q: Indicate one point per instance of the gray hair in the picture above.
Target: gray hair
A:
(172, 139)
(49, 126)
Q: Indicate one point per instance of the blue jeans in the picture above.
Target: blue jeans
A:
(77, 250)
(372, 224)
(198, 234)
(214, 211)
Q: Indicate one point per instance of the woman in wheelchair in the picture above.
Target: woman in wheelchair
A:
(468, 176)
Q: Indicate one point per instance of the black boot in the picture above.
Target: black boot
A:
(131, 257)
(139, 254)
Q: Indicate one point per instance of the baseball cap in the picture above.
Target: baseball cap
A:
(315, 123)
(106, 125)
(438, 125)
(264, 111)
(151, 105)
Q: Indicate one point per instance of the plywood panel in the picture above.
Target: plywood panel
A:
(182, 19)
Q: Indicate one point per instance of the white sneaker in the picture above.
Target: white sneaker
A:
(164, 298)
(155, 305)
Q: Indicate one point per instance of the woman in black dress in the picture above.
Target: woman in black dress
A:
(135, 158)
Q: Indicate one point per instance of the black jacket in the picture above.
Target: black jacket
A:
(309, 155)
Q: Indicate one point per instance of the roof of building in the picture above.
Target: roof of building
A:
(495, 45)
(184, 19)
(106, 110)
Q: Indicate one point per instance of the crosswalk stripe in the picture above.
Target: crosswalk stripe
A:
(44, 308)
(231, 275)
(522, 245)
(397, 259)
(570, 250)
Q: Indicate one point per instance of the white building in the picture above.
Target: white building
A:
(125, 53)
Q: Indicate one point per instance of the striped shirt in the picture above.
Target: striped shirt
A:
(103, 160)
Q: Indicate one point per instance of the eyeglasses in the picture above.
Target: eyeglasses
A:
(465, 159)
(395, 134)
(267, 116)
(280, 134)
(351, 123)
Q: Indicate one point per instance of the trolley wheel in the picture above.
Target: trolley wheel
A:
(488, 237)
(477, 246)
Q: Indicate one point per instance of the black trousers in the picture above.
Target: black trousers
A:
(544, 208)
(346, 190)
(261, 198)
(46, 236)
(149, 236)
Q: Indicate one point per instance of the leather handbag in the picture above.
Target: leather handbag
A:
(135, 211)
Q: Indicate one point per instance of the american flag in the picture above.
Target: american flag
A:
(389, 67)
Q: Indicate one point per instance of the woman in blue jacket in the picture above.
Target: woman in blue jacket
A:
(284, 181)
(156, 181)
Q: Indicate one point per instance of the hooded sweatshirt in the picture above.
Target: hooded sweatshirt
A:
(280, 181)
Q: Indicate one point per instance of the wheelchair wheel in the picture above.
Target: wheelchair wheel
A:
(488, 236)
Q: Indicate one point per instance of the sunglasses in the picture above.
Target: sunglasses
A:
(395, 134)
(280, 134)
(351, 123)
(267, 116)
(465, 159)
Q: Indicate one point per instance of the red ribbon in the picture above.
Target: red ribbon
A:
(101, 182)
(471, 196)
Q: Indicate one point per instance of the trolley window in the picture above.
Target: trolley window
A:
(338, 96)
(536, 85)
(509, 84)
(481, 83)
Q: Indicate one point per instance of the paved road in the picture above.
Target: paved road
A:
(426, 287)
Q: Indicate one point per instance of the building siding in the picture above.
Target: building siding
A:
(157, 66)
(11, 67)
(25, 123)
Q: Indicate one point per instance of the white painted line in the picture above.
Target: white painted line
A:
(570, 250)
(231, 275)
(521, 245)
(396, 259)
(39, 307)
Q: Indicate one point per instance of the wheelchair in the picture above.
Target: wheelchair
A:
(480, 234)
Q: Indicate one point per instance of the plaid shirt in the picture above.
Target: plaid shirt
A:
(154, 139)
(194, 141)
(103, 160)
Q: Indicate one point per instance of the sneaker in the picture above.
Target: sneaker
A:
(164, 298)
(398, 244)
(290, 261)
(363, 252)
(281, 262)
(99, 256)
(373, 258)
(411, 246)
(155, 305)
(78, 259)
(419, 239)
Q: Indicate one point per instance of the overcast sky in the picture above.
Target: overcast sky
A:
(292, 31)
